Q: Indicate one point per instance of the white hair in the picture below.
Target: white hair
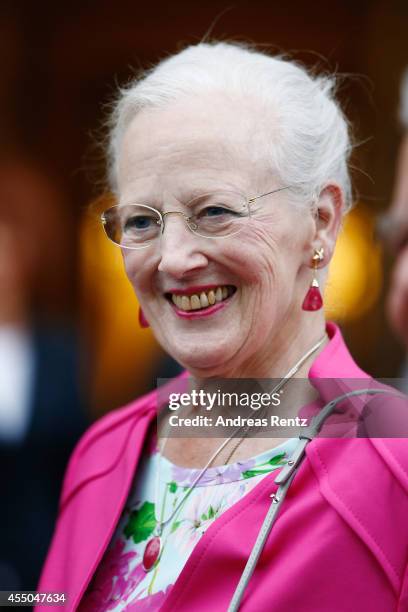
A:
(309, 143)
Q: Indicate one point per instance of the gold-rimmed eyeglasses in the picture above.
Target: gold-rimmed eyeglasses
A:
(217, 214)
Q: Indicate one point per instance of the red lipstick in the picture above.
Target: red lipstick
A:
(197, 314)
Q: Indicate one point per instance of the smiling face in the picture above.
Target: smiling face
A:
(256, 279)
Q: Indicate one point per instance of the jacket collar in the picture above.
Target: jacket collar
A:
(334, 372)
(335, 361)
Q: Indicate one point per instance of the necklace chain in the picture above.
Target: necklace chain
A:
(162, 523)
(276, 389)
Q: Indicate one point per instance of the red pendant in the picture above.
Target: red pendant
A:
(151, 553)
(143, 322)
(313, 299)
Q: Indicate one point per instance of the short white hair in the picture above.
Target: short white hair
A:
(310, 143)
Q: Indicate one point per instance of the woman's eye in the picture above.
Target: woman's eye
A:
(215, 211)
(140, 222)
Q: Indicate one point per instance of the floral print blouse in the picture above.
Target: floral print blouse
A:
(120, 582)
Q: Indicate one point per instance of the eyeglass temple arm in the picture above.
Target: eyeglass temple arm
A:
(250, 200)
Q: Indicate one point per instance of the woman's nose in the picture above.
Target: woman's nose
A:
(180, 251)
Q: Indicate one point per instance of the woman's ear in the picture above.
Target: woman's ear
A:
(328, 214)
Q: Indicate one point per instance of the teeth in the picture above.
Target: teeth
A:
(185, 303)
(205, 299)
(195, 302)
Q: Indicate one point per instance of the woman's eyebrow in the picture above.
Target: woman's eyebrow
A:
(143, 198)
(209, 190)
(183, 196)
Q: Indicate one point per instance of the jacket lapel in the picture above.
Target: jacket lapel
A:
(96, 489)
(351, 471)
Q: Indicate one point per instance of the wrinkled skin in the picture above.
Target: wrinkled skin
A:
(209, 144)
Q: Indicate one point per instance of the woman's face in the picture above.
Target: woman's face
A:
(168, 156)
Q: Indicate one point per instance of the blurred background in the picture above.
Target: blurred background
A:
(70, 345)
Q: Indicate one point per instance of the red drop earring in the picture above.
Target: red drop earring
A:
(143, 322)
(313, 299)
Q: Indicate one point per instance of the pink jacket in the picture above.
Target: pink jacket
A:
(339, 544)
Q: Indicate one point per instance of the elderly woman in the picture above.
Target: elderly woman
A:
(230, 169)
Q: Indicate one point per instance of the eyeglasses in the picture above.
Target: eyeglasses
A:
(218, 214)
